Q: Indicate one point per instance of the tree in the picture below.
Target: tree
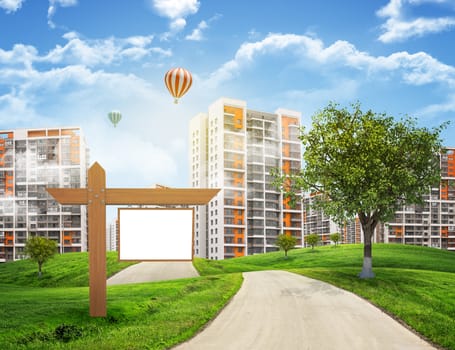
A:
(364, 164)
(285, 242)
(40, 249)
(335, 238)
(312, 240)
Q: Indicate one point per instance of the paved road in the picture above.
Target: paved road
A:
(154, 271)
(281, 310)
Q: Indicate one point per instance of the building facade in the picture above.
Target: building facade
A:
(433, 223)
(30, 161)
(234, 148)
(112, 236)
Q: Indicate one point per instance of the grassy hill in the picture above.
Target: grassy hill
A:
(63, 270)
(350, 255)
(414, 284)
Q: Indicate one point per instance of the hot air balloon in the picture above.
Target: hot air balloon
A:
(114, 117)
(178, 81)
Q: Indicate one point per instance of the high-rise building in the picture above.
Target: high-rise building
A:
(30, 161)
(316, 222)
(234, 148)
(433, 223)
(112, 236)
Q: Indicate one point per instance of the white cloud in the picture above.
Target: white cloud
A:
(397, 28)
(176, 11)
(177, 25)
(175, 8)
(20, 54)
(446, 107)
(86, 52)
(415, 69)
(196, 34)
(11, 5)
(53, 4)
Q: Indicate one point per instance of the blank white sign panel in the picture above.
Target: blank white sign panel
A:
(156, 234)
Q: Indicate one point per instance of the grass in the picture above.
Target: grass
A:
(63, 270)
(414, 284)
(140, 316)
(384, 255)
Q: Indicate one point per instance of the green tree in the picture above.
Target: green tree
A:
(364, 164)
(40, 249)
(312, 240)
(335, 238)
(285, 242)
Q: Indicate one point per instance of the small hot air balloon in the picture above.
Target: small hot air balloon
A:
(114, 117)
(178, 81)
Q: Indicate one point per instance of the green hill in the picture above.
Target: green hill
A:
(350, 255)
(414, 284)
(63, 270)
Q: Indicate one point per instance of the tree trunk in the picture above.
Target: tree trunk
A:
(39, 270)
(368, 226)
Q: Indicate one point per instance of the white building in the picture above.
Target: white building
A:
(234, 149)
(111, 236)
(30, 161)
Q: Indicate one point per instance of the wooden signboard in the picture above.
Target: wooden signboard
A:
(96, 196)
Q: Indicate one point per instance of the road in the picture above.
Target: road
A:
(154, 271)
(280, 310)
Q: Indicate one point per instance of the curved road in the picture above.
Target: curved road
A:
(282, 310)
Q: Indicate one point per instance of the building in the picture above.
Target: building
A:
(433, 223)
(315, 221)
(112, 236)
(30, 161)
(234, 148)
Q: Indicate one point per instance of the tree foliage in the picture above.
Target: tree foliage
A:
(285, 242)
(364, 164)
(40, 249)
(312, 240)
(335, 238)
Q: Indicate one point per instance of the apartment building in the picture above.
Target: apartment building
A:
(433, 223)
(315, 221)
(234, 148)
(30, 161)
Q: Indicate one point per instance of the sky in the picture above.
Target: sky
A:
(70, 62)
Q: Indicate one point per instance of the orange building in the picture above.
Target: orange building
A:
(30, 161)
(234, 148)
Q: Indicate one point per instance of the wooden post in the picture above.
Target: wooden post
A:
(96, 210)
(96, 197)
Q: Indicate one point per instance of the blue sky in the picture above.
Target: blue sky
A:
(69, 62)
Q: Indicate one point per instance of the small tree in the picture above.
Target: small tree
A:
(312, 240)
(335, 238)
(40, 249)
(285, 242)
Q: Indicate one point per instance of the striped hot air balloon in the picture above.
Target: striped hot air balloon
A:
(178, 81)
(114, 117)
